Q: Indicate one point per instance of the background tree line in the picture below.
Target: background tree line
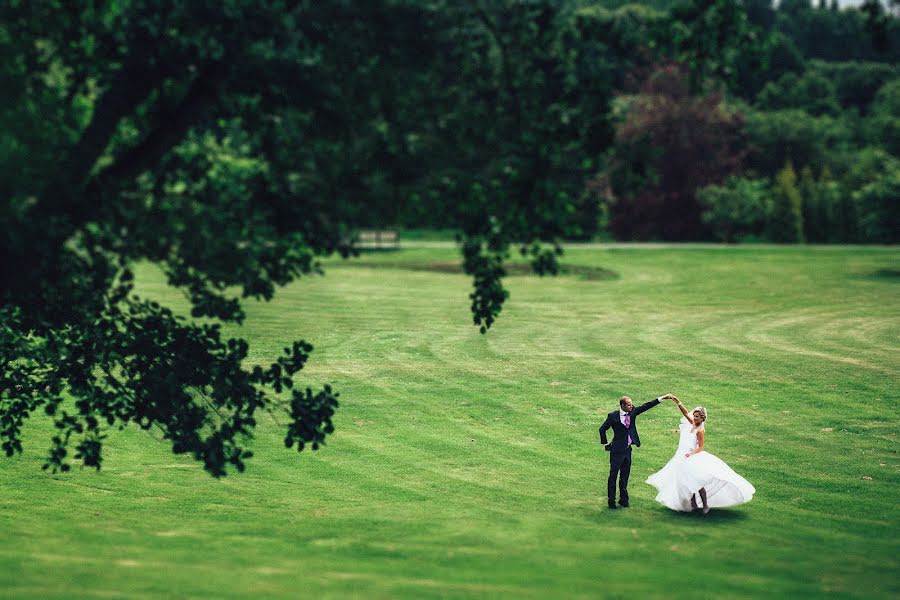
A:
(789, 134)
(234, 144)
(821, 122)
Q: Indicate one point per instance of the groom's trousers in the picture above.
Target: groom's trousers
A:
(619, 467)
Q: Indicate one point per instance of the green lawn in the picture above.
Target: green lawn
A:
(469, 466)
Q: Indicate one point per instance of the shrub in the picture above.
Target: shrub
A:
(737, 209)
(869, 165)
(878, 203)
(785, 219)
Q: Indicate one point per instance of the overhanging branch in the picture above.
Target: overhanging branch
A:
(174, 125)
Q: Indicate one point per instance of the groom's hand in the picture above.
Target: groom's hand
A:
(607, 447)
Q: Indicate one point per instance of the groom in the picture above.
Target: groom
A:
(624, 426)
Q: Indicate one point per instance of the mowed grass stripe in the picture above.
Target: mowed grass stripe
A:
(468, 466)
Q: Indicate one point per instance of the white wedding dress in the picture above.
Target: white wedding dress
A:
(683, 477)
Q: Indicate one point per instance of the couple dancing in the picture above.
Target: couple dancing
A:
(692, 479)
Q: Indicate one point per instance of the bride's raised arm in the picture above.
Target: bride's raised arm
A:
(684, 411)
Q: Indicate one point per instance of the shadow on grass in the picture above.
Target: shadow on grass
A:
(584, 272)
(601, 514)
(886, 274)
(378, 249)
(716, 515)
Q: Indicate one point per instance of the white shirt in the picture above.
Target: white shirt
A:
(622, 413)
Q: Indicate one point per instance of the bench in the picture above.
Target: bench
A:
(377, 238)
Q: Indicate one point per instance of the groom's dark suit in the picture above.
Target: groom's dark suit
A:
(620, 449)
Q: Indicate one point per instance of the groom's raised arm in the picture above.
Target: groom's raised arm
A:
(603, 429)
(639, 409)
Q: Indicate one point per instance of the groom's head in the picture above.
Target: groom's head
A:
(626, 404)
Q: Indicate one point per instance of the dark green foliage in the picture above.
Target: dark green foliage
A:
(811, 92)
(760, 13)
(311, 418)
(520, 126)
(793, 135)
(809, 203)
(524, 96)
(861, 208)
(870, 197)
(870, 163)
(880, 26)
(155, 132)
(785, 216)
(879, 208)
(856, 83)
(884, 123)
(712, 38)
(821, 198)
(777, 57)
(671, 144)
(869, 34)
(738, 209)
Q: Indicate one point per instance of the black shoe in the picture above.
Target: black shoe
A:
(624, 504)
(612, 505)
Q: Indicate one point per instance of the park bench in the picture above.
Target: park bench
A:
(379, 238)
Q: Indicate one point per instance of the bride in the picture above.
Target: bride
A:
(693, 472)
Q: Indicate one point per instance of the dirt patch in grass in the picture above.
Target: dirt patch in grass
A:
(585, 272)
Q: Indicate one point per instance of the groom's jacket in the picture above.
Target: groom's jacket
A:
(620, 433)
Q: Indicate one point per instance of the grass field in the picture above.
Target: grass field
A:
(469, 466)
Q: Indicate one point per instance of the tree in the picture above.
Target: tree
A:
(671, 144)
(778, 56)
(760, 13)
(880, 25)
(234, 145)
(830, 198)
(155, 109)
(867, 32)
(855, 82)
(816, 207)
(785, 217)
(879, 208)
(819, 217)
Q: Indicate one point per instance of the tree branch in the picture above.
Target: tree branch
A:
(131, 85)
(174, 125)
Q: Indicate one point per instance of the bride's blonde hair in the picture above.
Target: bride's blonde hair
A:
(702, 411)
